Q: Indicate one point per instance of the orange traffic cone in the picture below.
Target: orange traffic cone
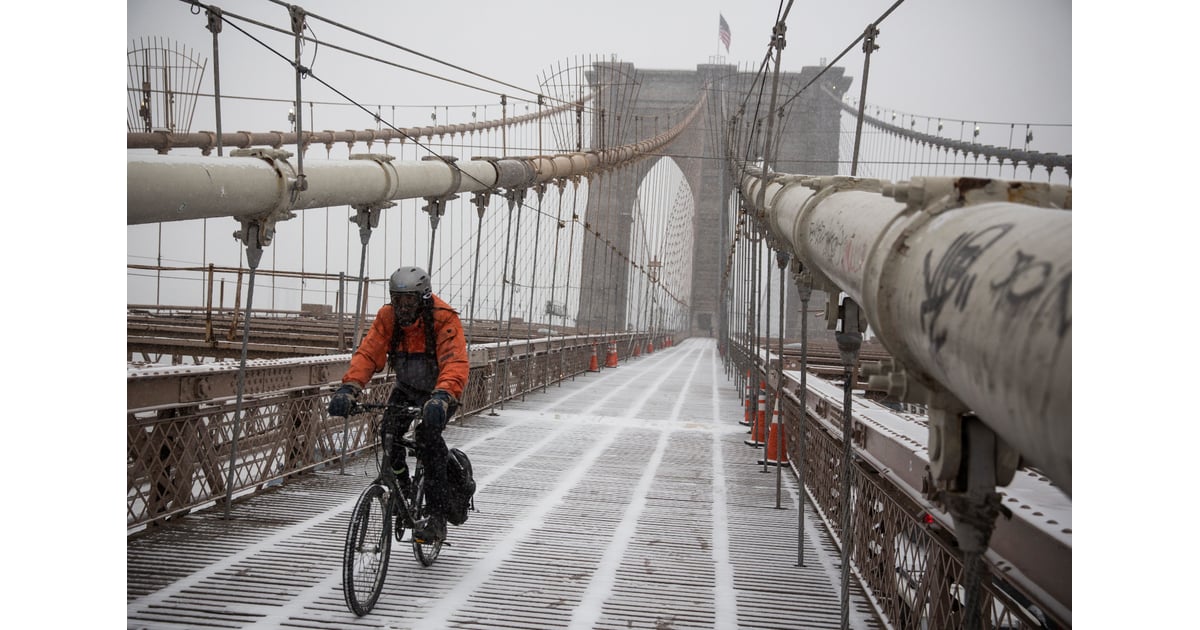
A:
(612, 356)
(593, 366)
(637, 349)
(758, 431)
(650, 346)
(762, 402)
(776, 444)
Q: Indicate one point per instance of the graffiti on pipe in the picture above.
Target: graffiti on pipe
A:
(847, 252)
(949, 282)
(1064, 305)
(1028, 279)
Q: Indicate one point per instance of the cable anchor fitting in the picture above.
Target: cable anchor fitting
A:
(367, 217)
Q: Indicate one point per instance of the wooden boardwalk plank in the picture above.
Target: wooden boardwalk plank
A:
(623, 499)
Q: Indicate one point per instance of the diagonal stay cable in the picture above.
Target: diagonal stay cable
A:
(346, 50)
(414, 52)
(854, 43)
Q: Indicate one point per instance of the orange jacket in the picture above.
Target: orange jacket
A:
(453, 367)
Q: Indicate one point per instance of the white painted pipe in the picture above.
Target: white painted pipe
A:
(173, 188)
(976, 299)
(176, 188)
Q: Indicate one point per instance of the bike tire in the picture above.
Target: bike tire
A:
(368, 547)
(425, 552)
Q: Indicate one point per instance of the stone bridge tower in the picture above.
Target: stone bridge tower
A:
(648, 102)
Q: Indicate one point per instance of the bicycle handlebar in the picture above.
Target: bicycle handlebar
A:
(365, 407)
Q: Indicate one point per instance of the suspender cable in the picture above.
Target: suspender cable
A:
(252, 234)
(297, 14)
(805, 290)
(868, 47)
(513, 199)
(537, 238)
(480, 200)
(769, 412)
(849, 340)
(781, 259)
(214, 25)
(587, 225)
(558, 224)
(571, 262)
(503, 288)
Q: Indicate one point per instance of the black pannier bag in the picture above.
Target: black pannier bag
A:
(461, 491)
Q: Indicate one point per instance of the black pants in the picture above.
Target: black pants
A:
(433, 450)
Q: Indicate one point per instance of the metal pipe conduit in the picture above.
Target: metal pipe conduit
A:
(975, 299)
(175, 188)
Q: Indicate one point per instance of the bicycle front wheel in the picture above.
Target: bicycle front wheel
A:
(368, 545)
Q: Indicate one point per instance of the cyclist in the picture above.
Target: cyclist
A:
(419, 335)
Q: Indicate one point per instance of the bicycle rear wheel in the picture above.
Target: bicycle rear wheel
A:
(425, 552)
(368, 545)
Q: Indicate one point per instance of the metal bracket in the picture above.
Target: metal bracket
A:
(367, 217)
(381, 158)
(278, 159)
(935, 195)
(828, 184)
(945, 436)
(436, 206)
(262, 153)
(214, 19)
(297, 14)
(515, 196)
(890, 376)
(480, 199)
(255, 235)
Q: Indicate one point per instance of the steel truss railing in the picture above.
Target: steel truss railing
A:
(910, 565)
(181, 419)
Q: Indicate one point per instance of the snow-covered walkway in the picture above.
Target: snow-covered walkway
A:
(624, 499)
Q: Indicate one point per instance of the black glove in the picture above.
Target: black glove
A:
(436, 409)
(343, 400)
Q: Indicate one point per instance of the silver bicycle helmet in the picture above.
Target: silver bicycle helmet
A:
(409, 287)
(410, 280)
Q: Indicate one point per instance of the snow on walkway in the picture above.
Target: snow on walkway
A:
(624, 499)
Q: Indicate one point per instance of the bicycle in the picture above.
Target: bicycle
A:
(384, 509)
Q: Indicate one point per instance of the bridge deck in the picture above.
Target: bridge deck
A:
(624, 499)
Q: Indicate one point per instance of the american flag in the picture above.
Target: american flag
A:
(723, 32)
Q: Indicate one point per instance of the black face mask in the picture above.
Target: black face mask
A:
(407, 306)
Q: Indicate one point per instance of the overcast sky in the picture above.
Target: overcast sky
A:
(971, 59)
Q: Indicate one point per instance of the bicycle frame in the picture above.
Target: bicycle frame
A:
(402, 507)
(395, 513)
(388, 440)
